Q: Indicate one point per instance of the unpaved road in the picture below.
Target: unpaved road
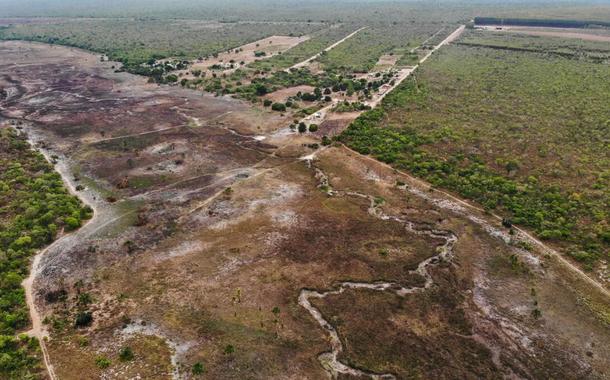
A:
(103, 215)
(405, 73)
(313, 58)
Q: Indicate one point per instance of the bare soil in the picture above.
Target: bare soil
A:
(386, 61)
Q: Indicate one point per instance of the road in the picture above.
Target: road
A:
(405, 73)
(103, 215)
(329, 48)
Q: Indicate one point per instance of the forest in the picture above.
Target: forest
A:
(35, 208)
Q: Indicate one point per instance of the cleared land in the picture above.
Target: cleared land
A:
(586, 34)
(244, 55)
(361, 52)
(576, 48)
(234, 237)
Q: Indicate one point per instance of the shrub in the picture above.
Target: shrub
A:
(313, 127)
(83, 319)
(198, 368)
(102, 362)
(72, 223)
(267, 102)
(126, 354)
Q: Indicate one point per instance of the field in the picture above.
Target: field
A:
(134, 42)
(361, 52)
(318, 42)
(523, 132)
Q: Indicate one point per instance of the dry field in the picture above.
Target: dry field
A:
(214, 242)
(599, 35)
(242, 56)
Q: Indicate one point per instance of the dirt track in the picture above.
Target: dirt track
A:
(330, 47)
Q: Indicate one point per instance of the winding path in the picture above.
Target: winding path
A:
(329, 360)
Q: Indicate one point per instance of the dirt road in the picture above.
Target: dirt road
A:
(103, 215)
(545, 249)
(405, 73)
(313, 58)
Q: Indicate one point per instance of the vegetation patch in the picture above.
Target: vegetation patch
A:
(138, 43)
(34, 208)
(521, 133)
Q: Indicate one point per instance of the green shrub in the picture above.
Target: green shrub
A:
(198, 368)
(126, 354)
(102, 362)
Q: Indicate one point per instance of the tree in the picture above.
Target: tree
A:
(281, 107)
(313, 127)
(302, 127)
(260, 89)
(267, 102)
